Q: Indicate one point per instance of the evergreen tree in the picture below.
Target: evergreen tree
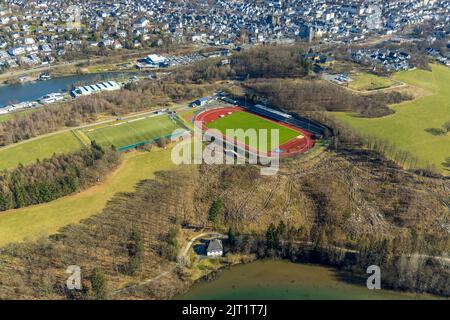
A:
(216, 212)
(99, 284)
(446, 127)
(281, 230)
(231, 237)
(271, 237)
(6, 199)
(50, 179)
(135, 252)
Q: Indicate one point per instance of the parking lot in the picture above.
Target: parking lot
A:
(340, 79)
(184, 60)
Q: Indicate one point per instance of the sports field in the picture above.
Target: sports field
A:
(133, 131)
(409, 128)
(244, 120)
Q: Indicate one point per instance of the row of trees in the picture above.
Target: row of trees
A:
(53, 178)
(402, 269)
(402, 157)
(114, 248)
(304, 96)
(135, 252)
(444, 130)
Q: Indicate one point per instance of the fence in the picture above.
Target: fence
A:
(143, 143)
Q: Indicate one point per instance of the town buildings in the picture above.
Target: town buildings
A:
(35, 32)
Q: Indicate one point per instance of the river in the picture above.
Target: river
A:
(30, 91)
(284, 280)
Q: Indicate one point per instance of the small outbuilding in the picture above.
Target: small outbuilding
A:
(199, 102)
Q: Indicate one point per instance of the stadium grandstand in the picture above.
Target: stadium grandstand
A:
(262, 110)
(312, 126)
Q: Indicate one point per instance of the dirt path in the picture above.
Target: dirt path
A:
(184, 253)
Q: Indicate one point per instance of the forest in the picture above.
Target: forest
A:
(368, 212)
(316, 95)
(258, 62)
(50, 179)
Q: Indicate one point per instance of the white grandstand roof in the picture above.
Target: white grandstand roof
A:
(259, 106)
(156, 58)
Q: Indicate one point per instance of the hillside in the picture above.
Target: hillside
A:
(364, 201)
(31, 223)
(415, 125)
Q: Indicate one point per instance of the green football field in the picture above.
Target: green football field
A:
(130, 132)
(244, 120)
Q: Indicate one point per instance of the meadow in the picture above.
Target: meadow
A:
(366, 82)
(133, 131)
(9, 116)
(411, 127)
(245, 121)
(37, 221)
(5, 117)
(40, 148)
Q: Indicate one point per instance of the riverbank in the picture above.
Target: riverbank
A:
(31, 91)
(282, 279)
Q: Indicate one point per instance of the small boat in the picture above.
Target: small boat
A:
(44, 76)
(51, 98)
(23, 79)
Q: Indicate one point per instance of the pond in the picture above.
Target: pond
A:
(284, 280)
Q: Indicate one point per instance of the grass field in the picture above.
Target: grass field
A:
(41, 148)
(5, 117)
(409, 127)
(8, 116)
(244, 120)
(366, 81)
(133, 131)
(41, 220)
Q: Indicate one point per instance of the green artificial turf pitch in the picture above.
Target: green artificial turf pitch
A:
(131, 132)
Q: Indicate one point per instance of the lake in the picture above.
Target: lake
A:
(284, 280)
(30, 91)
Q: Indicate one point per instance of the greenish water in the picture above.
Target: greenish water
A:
(285, 280)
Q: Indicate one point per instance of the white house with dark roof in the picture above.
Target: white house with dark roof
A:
(215, 248)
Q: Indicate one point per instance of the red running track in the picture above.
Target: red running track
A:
(301, 144)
